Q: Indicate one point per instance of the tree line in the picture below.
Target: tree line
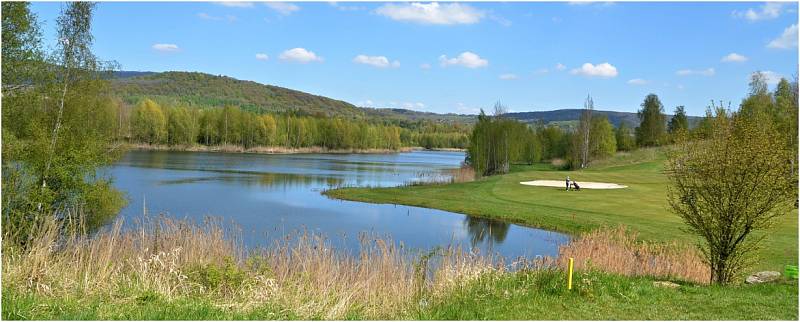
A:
(496, 142)
(151, 123)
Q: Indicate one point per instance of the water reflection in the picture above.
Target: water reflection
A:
(263, 180)
(268, 195)
(482, 230)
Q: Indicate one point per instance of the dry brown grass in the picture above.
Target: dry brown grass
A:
(464, 173)
(618, 251)
(302, 274)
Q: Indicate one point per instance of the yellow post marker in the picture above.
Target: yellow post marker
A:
(569, 277)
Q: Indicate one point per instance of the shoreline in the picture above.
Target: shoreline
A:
(274, 149)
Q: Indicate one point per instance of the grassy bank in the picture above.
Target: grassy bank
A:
(518, 296)
(643, 206)
(180, 270)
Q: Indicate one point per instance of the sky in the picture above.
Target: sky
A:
(459, 57)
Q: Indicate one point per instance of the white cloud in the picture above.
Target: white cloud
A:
(345, 8)
(586, 3)
(235, 4)
(769, 10)
(734, 58)
(206, 16)
(508, 76)
(375, 61)
(425, 66)
(599, 70)
(787, 40)
(701, 72)
(431, 13)
(560, 66)
(772, 77)
(638, 81)
(299, 55)
(467, 59)
(166, 47)
(261, 56)
(283, 8)
(541, 71)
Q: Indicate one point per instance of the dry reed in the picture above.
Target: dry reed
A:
(302, 274)
(464, 173)
(618, 251)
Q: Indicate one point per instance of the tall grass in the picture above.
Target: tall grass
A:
(617, 250)
(302, 274)
(464, 173)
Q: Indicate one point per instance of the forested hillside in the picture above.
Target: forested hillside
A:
(195, 89)
(204, 90)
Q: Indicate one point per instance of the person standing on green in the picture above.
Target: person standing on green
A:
(567, 183)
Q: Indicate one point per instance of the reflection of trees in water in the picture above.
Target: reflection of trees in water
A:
(486, 230)
(265, 180)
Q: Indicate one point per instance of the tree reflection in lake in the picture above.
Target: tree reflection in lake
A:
(264, 180)
(270, 195)
(485, 230)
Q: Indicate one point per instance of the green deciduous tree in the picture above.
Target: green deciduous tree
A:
(21, 46)
(149, 123)
(651, 130)
(626, 141)
(554, 142)
(786, 110)
(603, 141)
(59, 126)
(730, 185)
(180, 126)
(679, 123)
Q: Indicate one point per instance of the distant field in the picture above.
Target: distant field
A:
(643, 206)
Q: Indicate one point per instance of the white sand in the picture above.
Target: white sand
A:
(562, 184)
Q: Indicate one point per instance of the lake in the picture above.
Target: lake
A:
(269, 196)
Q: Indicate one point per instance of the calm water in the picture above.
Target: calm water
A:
(269, 196)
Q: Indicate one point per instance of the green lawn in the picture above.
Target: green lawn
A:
(598, 296)
(527, 295)
(642, 207)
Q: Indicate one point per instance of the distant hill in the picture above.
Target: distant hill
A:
(199, 89)
(410, 115)
(128, 73)
(616, 118)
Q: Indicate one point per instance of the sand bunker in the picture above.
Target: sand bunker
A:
(583, 184)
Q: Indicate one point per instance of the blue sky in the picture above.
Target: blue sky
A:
(458, 57)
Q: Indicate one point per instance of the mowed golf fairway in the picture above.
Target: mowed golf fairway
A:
(642, 207)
